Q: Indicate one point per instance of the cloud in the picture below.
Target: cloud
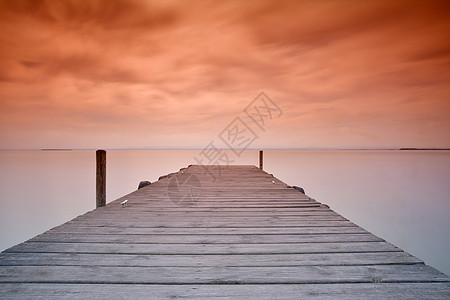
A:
(189, 67)
(88, 40)
(107, 15)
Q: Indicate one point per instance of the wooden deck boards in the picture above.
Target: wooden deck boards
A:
(244, 235)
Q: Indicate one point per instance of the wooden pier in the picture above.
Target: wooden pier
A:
(233, 232)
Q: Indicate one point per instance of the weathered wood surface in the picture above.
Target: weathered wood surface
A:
(261, 155)
(100, 178)
(244, 235)
(219, 260)
(350, 291)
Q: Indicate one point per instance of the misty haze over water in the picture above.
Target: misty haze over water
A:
(400, 196)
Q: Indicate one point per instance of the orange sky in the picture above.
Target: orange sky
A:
(169, 74)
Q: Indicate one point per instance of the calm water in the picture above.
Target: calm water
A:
(401, 196)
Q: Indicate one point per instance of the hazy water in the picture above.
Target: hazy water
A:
(401, 196)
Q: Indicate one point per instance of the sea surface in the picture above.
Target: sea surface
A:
(400, 196)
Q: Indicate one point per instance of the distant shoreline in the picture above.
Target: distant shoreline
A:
(428, 149)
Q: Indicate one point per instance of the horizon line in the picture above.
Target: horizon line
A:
(245, 149)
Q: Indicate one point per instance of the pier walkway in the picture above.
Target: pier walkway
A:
(233, 232)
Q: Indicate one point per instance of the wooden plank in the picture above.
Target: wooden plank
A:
(208, 214)
(119, 229)
(169, 204)
(130, 211)
(349, 291)
(177, 260)
(267, 198)
(224, 210)
(217, 218)
(203, 238)
(39, 247)
(221, 275)
(211, 223)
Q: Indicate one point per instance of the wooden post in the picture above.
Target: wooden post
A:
(101, 177)
(261, 159)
